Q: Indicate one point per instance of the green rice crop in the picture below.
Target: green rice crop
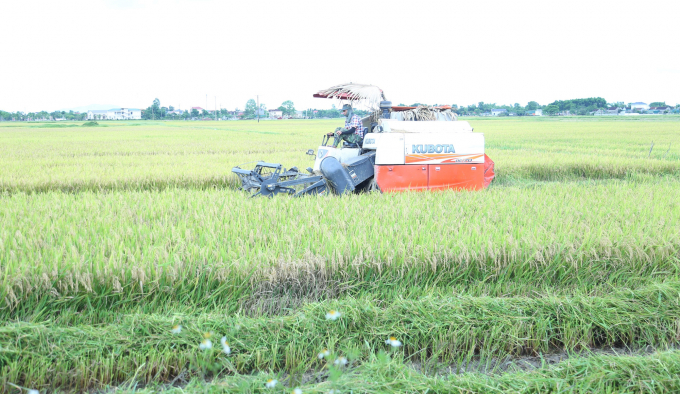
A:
(134, 156)
(453, 330)
(515, 239)
(111, 235)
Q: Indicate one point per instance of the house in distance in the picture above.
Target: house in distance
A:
(115, 114)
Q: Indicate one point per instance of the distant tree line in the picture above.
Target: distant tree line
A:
(42, 115)
(155, 111)
(576, 106)
(516, 108)
(313, 113)
(251, 110)
(583, 106)
(482, 107)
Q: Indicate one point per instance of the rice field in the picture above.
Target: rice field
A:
(199, 155)
(130, 262)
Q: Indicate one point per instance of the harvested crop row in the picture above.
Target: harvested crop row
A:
(659, 372)
(70, 355)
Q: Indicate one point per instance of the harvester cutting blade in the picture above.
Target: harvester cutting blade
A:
(268, 179)
(309, 185)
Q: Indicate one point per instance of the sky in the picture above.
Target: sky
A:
(67, 54)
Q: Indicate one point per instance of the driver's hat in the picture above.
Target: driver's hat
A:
(346, 107)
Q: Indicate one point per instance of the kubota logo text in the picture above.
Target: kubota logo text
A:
(430, 148)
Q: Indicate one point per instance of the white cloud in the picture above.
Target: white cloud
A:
(67, 54)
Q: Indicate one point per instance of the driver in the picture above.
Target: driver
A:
(353, 132)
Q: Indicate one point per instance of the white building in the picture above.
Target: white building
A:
(97, 114)
(638, 105)
(124, 113)
(115, 114)
(275, 113)
(498, 111)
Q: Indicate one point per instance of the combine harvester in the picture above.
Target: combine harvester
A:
(404, 148)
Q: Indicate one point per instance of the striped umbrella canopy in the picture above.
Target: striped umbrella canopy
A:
(368, 95)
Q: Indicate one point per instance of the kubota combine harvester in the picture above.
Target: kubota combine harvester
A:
(404, 148)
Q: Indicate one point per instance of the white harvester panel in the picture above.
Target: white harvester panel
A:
(371, 141)
(341, 154)
(403, 126)
(442, 148)
(389, 147)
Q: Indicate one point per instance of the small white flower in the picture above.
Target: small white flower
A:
(394, 342)
(208, 335)
(31, 391)
(271, 383)
(176, 329)
(340, 361)
(205, 344)
(333, 315)
(297, 391)
(333, 391)
(324, 353)
(225, 345)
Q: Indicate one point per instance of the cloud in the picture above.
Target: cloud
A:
(128, 52)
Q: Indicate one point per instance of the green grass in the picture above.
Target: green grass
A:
(109, 236)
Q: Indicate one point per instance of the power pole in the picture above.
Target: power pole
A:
(215, 108)
(257, 111)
